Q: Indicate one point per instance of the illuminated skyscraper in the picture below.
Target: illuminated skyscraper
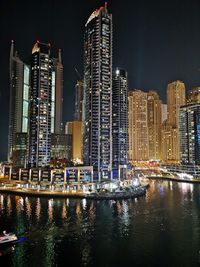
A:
(18, 110)
(170, 131)
(79, 101)
(138, 126)
(154, 111)
(189, 129)
(57, 95)
(169, 143)
(120, 118)
(175, 99)
(40, 124)
(164, 112)
(98, 93)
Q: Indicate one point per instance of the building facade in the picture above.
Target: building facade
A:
(18, 109)
(189, 129)
(170, 128)
(40, 123)
(194, 96)
(98, 93)
(57, 95)
(120, 118)
(74, 129)
(154, 117)
(175, 98)
(78, 101)
(138, 126)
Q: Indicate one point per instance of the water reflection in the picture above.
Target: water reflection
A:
(50, 209)
(38, 209)
(58, 230)
(28, 207)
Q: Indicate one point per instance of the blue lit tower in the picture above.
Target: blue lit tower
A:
(120, 118)
(40, 106)
(18, 109)
(189, 129)
(98, 93)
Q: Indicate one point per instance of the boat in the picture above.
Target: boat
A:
(7, 239)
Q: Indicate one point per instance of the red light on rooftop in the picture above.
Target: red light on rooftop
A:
(49, 44)
(37, 41)
(101, 8)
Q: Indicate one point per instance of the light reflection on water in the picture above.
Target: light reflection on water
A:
(106, 233)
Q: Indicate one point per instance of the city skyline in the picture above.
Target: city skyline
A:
(176, 38)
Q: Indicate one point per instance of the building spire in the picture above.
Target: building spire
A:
(59, 56)
(11, 57)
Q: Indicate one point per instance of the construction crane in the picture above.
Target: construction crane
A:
(78, 74)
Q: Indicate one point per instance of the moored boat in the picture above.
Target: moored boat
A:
(7, 239)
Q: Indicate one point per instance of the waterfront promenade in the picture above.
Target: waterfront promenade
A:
(11, 187)
(175, 179)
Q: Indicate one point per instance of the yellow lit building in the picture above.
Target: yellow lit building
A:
(138, 126)
(170, 131)
(175, 99)
(74, 128)
(154, 111)
(169, 143)
(194, 96)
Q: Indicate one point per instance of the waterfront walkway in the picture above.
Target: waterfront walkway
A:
(35, 192)
(175, 179)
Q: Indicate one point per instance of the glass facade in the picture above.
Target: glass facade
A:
(18, 110)
(120, 118)
(25, 99)
(40, 106)
(189, 130)
(98, 93)
(53, 102)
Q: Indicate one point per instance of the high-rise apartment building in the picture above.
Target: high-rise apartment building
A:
(18, 110)
(57, 95)
(189, 129)
(40, 124)
(170, 131)
(138, 126)
(154, 117)
(169, 143)
(175, 99)
(120, 118)
(98, 93)
(78, 101)
(163, 112)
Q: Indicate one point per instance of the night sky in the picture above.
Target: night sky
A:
(155, 41)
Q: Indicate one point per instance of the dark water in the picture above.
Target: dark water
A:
(161, 229)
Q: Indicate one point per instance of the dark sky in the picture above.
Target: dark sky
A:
(155, 41)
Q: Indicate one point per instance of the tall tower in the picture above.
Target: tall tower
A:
(57, 95)
(189, 129)
(154, 111)
(175, 99)
(18, 110)
(79, 101)
(170, 131)
(98, 93)
(120, 118)
(40, 106)
(138, 126)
